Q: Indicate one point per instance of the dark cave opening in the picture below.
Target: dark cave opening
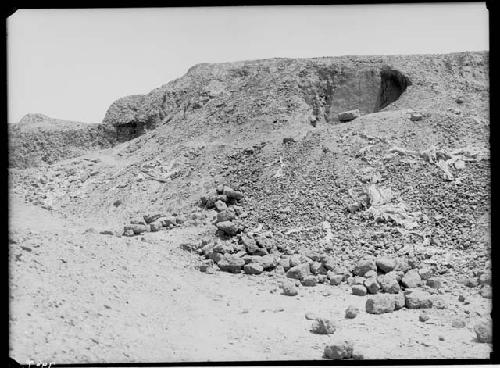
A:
(392, 85)
(128, 131)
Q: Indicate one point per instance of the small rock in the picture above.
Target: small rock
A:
(253, 269)
(228, 227)
(317, 268)
(399, 301)
(225, 215)
(380, 303)
(231, 264)
(233, 194)
(411, 279)
(349, 115)
(136, 228)
(351, 312)
(418, 300)
(438, 302)
(372, 285)
(425, 273)
(289, 288)
(485, 278)
(323, 326)
(339, 350)
(311, 316)
(386, 264)
(434, 283)
(458, 323)
(416, 116)
(299, 272)
(486, 292)
(358, 290)
(483, 332)
(151, 218)
(423, 317)
(389, 283)
(461, 298)
(220, 206)
(156, 226)
(370, 274)
(309, 281)
(364, 265)
(336, 279)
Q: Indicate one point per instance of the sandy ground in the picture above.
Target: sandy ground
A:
(78, 296)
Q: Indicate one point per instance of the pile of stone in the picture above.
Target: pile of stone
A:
(393, 286)
(152, 223)
(229, 213)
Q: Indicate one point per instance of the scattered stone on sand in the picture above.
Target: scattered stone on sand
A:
(289, 288)
(339, 350)
(351, 312)
(424, 316)
(323, 326)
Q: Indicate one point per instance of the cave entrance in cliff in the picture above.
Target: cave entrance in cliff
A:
(128, 131)
(392, 85)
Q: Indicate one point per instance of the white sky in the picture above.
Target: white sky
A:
(72, 64)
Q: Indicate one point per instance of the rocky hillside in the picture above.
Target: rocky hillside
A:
(40, 140)
(323, 170)
(270, 128)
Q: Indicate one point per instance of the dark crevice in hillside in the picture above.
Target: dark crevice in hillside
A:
(392, 85)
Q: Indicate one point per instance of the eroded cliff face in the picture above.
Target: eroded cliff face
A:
(321, 88)
(263, 96)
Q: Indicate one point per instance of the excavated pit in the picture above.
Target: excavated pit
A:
(368, 89)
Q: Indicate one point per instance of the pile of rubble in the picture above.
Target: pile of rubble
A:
(152, 223)
(392, 282)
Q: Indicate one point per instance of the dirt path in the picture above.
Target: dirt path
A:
(80, 296)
